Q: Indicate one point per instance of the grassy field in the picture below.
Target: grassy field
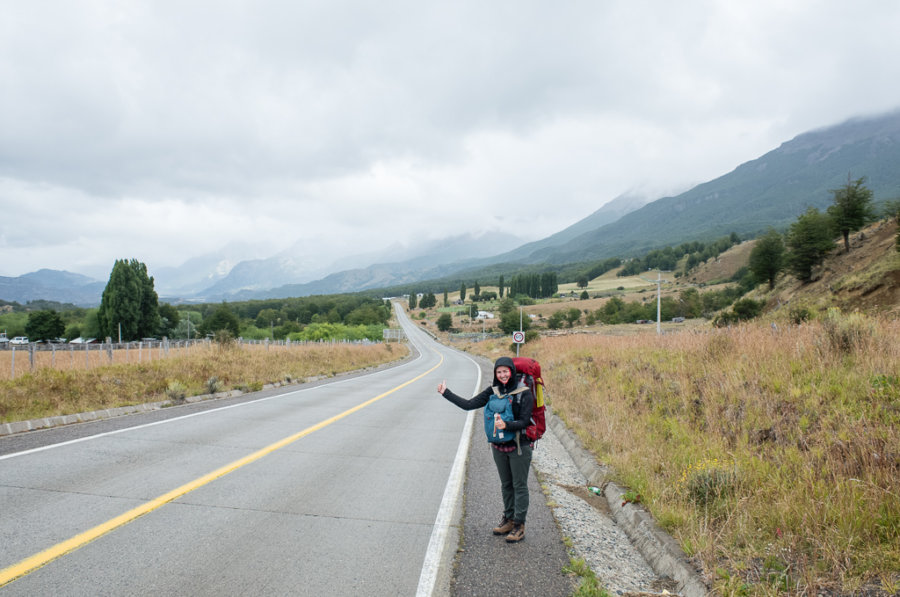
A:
(71, 387)
(772, 455)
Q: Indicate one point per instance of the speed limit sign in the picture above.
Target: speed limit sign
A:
(519, 337)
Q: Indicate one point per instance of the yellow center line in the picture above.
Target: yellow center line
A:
(32, 563)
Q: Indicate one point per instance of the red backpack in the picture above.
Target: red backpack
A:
(531, 375)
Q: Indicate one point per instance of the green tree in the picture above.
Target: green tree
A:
(73, 330)
(444, 322)
(221, 319)
(809, 240)
(446, 298)
(556, 319)
(852, 208)
(689, 303)
(767, 258)
(500, 284)
(44, 325)
(747, 308)
(476, 290)
(413, 299)
(428, 301)
(149, 324)
(462, 291)
(509, 322)
(90, 327)
(267, 318)
(168, 320)
(506, 305)
(892, 210)
(129, 303)
(582, 282)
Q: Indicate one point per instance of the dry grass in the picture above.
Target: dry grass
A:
(68, 357)
(56, 391)
(772, 456)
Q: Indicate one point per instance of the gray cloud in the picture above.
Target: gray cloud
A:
(160, 130)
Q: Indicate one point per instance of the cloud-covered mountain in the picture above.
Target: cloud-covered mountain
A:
(769, 191)
(398, 264)
(772, 190)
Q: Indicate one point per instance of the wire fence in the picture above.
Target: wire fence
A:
(18, 360)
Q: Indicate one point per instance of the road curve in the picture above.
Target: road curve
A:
(341, 488)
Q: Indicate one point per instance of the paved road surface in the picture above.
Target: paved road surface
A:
(330, 489)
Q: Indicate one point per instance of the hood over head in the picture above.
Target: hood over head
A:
(505, 362)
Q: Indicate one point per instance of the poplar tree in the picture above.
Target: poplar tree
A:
(129, 303)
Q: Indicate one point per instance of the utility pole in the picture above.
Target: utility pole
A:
(658, 281)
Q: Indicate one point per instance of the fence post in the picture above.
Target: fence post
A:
(13, 372)
(109, 351)
(31, 355)
(87, 357)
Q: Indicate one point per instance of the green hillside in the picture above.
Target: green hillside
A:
(769, 191)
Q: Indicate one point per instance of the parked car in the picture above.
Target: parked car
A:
(19, 340)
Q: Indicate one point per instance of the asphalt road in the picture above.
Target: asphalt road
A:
(336, 488)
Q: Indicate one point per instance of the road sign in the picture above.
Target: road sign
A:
(519, 337)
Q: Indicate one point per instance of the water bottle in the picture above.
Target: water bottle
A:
(497, 419)
(595, 490)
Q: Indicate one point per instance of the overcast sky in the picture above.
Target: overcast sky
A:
(160, 130)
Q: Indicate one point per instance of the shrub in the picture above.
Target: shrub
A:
(444, 322)
(847, 333)
(213, 385)
(798, 315)
(176, 391)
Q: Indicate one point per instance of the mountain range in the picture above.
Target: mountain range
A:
(770, 191)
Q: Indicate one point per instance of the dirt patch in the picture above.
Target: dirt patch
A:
(597, 501)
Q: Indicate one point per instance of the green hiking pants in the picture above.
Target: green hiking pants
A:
(513, 468)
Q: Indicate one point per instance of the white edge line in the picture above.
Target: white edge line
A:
(430, 566)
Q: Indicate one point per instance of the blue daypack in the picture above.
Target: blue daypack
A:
(500, 404)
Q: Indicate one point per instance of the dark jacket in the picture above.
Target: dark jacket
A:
(522, 405)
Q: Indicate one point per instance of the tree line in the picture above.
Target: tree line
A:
(130, 310)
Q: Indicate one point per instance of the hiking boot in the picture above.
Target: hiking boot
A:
(517, 533)
(506, 525)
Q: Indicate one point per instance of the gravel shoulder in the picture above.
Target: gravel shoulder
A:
(586, 520)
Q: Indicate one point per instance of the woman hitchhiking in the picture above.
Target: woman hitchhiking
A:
(508, 403)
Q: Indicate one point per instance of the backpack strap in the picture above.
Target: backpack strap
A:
(518, 390)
